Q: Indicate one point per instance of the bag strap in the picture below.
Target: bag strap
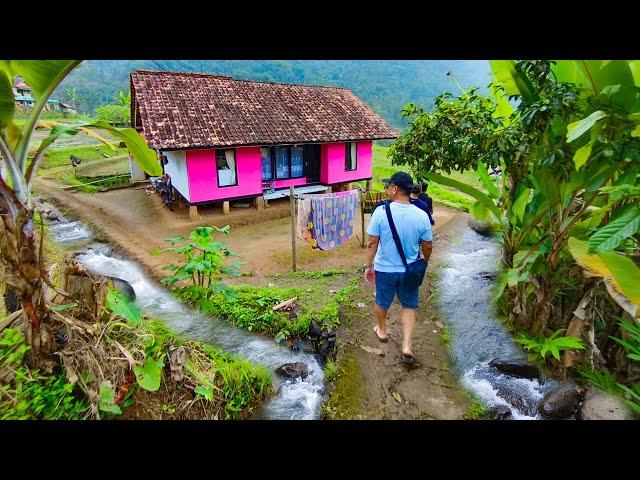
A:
(394, 232)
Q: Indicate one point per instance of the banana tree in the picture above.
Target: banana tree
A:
(22, 259)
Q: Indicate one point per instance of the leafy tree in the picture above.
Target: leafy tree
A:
(566, 136)
(72, 95)
(23, 262)
(114, 114)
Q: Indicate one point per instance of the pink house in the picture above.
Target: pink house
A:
(223, 139)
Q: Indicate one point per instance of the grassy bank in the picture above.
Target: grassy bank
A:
(320, 295)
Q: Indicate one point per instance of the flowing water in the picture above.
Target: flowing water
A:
(294, 398)
(465, 286)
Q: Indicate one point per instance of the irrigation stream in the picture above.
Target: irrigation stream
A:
(465, 284)
(295, 398)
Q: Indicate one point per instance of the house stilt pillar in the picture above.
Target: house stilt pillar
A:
(194, 216)
(225, 208)
(369, 185)
(260, 202)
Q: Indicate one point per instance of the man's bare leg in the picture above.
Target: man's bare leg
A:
(381, 313)
(408, 320)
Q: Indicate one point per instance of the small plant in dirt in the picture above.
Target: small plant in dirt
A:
(204, 262)
(477, 410)
(331, 371)
(542, 347)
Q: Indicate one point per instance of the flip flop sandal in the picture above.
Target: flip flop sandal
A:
(381, 339)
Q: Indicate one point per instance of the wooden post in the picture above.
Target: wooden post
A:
(362, 215)
(194, 216)
(225, 208)
(260, 202)
(293, 226)
(369, 184)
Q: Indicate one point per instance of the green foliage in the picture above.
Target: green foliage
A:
(114, 114)
(205, 260)
(601, 380)
(332, 371)
(120, 304)
(553, 345)
(610, 236)
(477, 410)
(446, 335)
(150, 374)
(107, 399)
(219, 378)
(632, 344)
(633, 393)
(248, 307)
(29, 395)
(332, 272)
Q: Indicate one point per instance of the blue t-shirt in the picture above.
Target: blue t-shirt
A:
(413, 226)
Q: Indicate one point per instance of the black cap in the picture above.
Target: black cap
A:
(401, 180)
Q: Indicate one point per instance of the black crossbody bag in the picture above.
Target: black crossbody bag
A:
(415, 271)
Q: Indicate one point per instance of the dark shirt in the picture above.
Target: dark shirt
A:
(428, 200)
(415, 201)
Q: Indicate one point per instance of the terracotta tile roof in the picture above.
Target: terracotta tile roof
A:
(187, 110)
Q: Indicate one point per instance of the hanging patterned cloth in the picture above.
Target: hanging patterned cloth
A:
(326, 221)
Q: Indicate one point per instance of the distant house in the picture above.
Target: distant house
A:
(66, 108)
(223, 139)
(23, 96)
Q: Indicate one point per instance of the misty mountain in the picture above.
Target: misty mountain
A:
(385, 85)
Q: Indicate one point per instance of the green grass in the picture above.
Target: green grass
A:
(477, 410)
(60, 157)
(250, 307)
(450, 197)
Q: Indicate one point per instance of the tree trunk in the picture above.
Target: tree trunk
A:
(21, 264)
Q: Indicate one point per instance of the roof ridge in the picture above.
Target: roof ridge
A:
(215, 75)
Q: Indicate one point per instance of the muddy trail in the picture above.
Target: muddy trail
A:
(376, 386)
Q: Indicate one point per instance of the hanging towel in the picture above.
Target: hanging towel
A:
(329, 219)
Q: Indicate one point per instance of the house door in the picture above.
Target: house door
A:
(311, 155)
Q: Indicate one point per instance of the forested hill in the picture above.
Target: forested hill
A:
(386, 86)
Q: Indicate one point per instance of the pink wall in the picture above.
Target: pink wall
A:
(332, 158)
(287, 183)
(203, 180)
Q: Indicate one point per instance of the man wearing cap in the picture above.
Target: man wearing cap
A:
(385, 266)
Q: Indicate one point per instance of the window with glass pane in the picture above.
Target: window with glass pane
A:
(282, 162)
(267, 171)
(297, 165)
(226, 166)
(351, 160)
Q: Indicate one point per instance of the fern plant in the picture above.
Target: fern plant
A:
(541, 347)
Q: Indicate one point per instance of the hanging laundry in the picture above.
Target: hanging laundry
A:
(326, 221)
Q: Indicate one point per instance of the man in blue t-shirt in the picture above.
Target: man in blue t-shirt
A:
(387, 268)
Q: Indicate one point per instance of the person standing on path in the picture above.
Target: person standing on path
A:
(424, 196)
(385, 266)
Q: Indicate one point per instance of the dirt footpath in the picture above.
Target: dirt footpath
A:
(371, 386)
(382, 387)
